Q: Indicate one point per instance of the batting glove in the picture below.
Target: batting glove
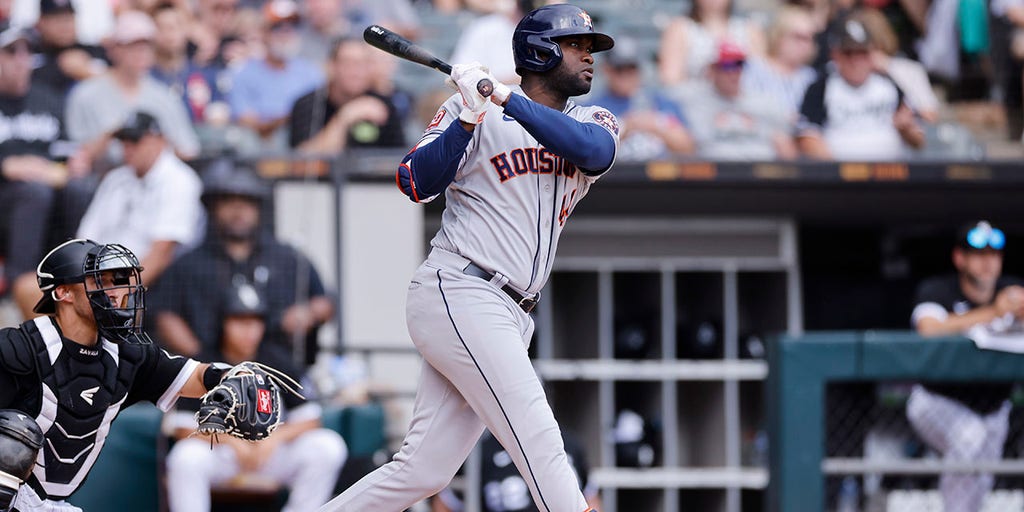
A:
(466, 78)
(501, 92)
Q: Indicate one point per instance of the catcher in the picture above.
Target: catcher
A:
(65, 376)
(301, 455)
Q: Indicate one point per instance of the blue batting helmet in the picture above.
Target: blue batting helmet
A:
(534, 45)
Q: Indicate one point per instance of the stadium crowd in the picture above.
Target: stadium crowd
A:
(110, 106)
(120, 106)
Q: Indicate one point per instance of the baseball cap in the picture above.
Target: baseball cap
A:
(137, 125)
(850, 34)
(626, 52)
(133, 26)
(13, 34)
(280, 11)
(223, 177)
(979, 236)
(243, 299)
(55, 7)
(730, 53)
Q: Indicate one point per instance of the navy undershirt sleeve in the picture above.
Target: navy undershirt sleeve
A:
(588, 145)
(428, 169)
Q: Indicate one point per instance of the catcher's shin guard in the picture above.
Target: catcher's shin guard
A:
(20, 441)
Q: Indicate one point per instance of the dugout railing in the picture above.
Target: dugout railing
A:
(803, 371)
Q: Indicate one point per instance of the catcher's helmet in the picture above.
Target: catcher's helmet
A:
(534, 44)
(103, 268)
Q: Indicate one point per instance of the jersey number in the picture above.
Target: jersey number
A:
(567, 206)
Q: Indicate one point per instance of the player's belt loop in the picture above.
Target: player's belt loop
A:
(526, 303)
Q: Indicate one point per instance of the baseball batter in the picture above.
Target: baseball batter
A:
(512, 169)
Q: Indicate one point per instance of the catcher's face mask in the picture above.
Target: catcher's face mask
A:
(114, 285)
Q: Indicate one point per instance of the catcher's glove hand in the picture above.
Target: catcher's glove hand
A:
(246, 404)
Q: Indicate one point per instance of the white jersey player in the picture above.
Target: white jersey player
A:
(512, 169)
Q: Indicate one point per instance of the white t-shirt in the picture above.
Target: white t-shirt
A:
(855, 122)
(136, 211)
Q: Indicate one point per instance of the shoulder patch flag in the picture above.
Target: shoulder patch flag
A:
(606, 119)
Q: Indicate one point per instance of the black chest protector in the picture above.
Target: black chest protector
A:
(82, 389)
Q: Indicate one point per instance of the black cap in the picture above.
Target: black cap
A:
(225, 177)
(979, 236)
(850, 34)
(243, 299)
(55, 6)
(137, 125)
(626, 52)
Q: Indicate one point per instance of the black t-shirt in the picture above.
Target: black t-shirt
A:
(33, 124)
(48, 72)
(75, 391)
(502, 487)
(944, 291)
(192, 287)
(314, 110)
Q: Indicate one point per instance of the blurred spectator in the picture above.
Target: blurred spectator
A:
(909, 75)
(784, 73)
(502, 489)
(477, 41)
(854, 113)
(321, 24)
(346, 112)
(94, 19)
(62, 60)
(729, 123)
(156, 194)
(1008, 61)
(904, 18)
(197, 86)
(653, 126)
(301, 454)
(480, 7)
(97, 106)
(238, 249)
(690, 43)
(956, 49)
(246, 42)
(383, 66)
(35, 164)
(966, 422)
(263, 90)
(213, 25)
(397, 15)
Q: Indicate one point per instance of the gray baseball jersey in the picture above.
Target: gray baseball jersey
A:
(505, 209)
(511, 196)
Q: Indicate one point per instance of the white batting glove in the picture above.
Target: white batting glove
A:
(501, 92)
(466, 77)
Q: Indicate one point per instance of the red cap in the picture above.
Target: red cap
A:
(729, 52)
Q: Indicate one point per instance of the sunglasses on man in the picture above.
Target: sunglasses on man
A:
(985, 236)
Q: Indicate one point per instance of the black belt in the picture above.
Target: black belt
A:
(526, 303)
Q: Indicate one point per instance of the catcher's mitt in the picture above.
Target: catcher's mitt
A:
(246, 404)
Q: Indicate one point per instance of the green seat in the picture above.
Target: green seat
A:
(362, 427)
(125, 474)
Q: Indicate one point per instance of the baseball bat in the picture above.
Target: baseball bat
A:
(399, 46)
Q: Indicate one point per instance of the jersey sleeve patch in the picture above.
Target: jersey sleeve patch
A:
(607, 119)
(438, 117)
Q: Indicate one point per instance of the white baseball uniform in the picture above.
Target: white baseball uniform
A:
(505, 208)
